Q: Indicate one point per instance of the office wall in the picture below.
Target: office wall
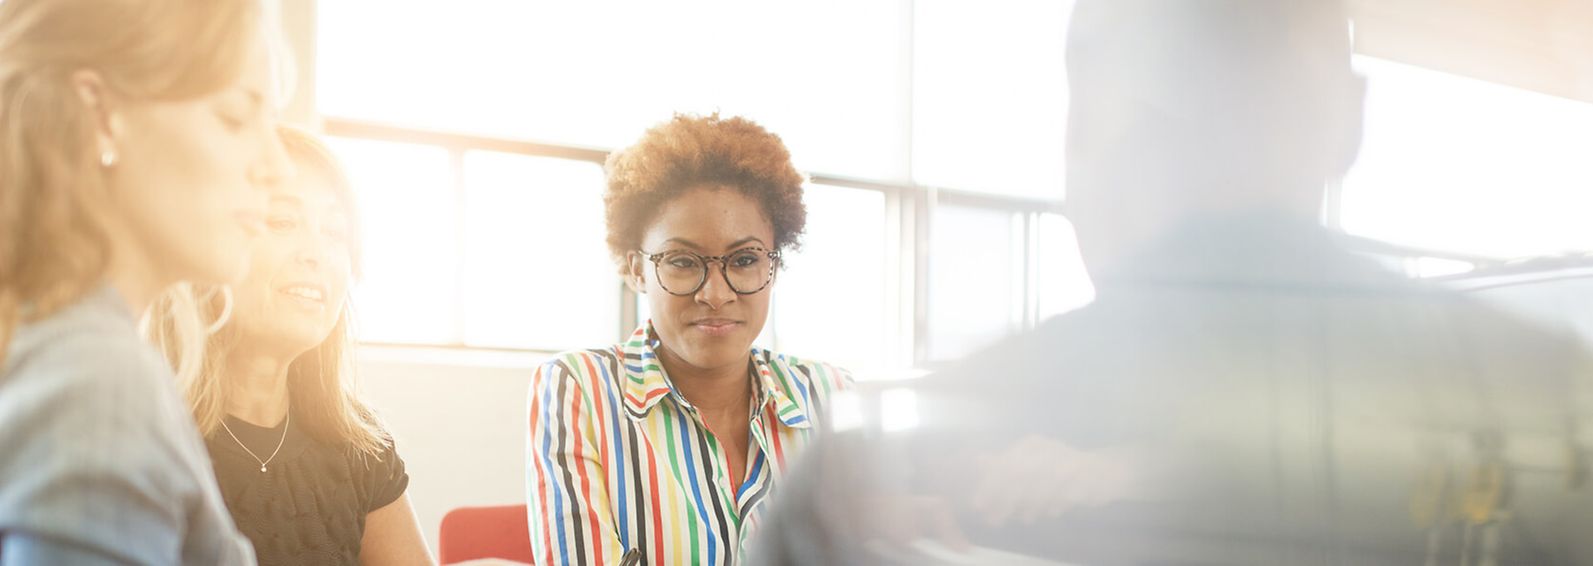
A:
(459, 421)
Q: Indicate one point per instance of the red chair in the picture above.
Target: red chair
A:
(471, 533)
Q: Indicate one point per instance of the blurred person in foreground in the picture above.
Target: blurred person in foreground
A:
(1244, 389)
(137, 144)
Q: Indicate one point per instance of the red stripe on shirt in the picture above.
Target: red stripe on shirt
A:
(586, 483)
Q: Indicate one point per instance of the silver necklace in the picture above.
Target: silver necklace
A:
(285, 424)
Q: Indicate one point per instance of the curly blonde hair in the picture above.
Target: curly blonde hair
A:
(691, 151)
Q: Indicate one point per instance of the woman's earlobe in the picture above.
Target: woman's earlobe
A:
(633, 275)
(91, 91)
(636, 282)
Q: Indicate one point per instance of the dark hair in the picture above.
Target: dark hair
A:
(691, 151)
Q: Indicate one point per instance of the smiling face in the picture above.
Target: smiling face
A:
(300, 271)
(714, 327)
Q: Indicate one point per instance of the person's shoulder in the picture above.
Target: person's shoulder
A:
(88, 356)
(811, 376)
(88, 334)
(602, 362)
(1087, 331)
(585, 370)
(387, 470)
(92, 414)
(1507, 342)
(1456, 322)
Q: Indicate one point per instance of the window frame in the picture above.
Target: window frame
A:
(908, 217)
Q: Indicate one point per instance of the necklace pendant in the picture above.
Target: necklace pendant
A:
(262, 469)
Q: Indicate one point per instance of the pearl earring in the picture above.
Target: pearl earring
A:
(108, 158)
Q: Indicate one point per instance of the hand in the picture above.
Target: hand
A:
(1039, 477)
(863, 506)
(904, 519)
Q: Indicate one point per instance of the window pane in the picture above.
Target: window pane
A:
(537, 273)
(829, 76)
(407, 211)
(1455, 164)
(1064, 285)
(975, 291)
(990, 95)
(830, 302)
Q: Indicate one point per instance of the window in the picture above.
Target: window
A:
(990, 96)
(537, 272)
(1459, 165)
(459, 248)
(474, 132)
(975, 279)
(838, 281)
(410, 236)
(596, 74)
(1061, 281)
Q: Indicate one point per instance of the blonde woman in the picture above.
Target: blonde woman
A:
(306, 469)
(135, 138)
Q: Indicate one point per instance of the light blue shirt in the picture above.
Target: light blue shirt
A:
(100, 462)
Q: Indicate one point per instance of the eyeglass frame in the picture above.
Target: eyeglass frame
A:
(722, 260)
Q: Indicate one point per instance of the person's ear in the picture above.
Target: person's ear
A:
(635, 272)
(101, 107)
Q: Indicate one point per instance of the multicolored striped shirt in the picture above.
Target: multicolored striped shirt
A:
(618, 460)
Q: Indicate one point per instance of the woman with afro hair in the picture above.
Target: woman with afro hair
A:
(667, 446)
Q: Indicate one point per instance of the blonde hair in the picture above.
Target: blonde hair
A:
(322, 385)
(53, 247)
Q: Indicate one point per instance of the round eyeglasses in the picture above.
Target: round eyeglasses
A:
(747, 270)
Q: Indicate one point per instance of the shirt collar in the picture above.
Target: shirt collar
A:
(646, 384)
(769, 368)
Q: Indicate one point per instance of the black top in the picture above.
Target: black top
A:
(309, 506)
